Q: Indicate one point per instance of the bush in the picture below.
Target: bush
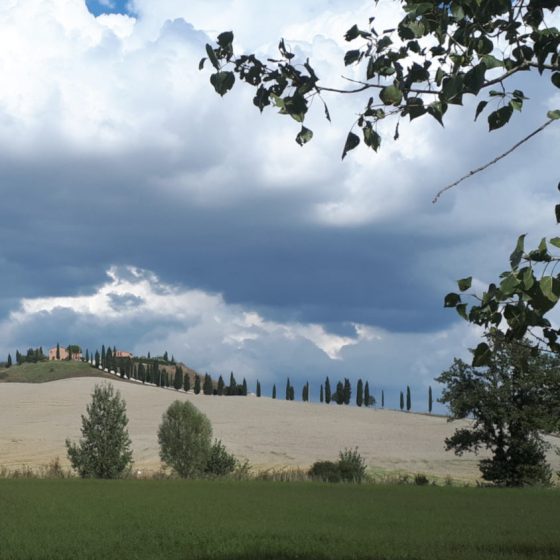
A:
(184, 437)
(326, 471)
(352, 465)
(220, 462)
(421, 479)
(104, 450)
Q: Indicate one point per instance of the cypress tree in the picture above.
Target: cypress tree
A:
(347, 391)
(208, 386)
(339, 395)
(57, 351)
(97, 357)
(382, 398)
(197, 384)
(408, 400)
(367, 396)
(178, 379)
(360, 393)
(430, 401)
(18, 358)
(87, 355)
(187, 383)
(244, 390)
(102, 354)
(292, 393)
(167, 379)
(327, 391)
(166, 356)
(232, 389)
(221, 385)
(258, 388)
(321, 396)
(305, 392)
(274, 391)
(288, 389)
(402, 401)
(9, 362)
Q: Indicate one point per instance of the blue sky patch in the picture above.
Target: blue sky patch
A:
(98, 7)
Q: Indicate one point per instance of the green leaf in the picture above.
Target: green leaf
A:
(201, 63)
(480, 107)
(352, 56)
(351, 142)
(554, 114)
(304, 136)
(465, 283)
(499, 118)
(462, 310)
(222, 82)
(352, 33)
(451, 300)
(225, 39)
(491, 61)
(452, 89)
(391, 95)
(547, 288)
(556, 79)
(474, 78)
(482, 355)
(555, 241)
(457, 11)
(371, 138)
(509, 284)
(212, 56)
(528, 279)
(517, 255)
(437, 110)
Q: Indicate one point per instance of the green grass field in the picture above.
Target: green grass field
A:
(42, 372)
(173, 519)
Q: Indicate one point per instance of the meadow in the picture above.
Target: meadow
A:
(174, 519)
(43, 372)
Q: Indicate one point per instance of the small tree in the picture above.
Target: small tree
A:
(288, 387)
(347, 391)
(184, 438)
(187, 383)
(57, 351)
(360, 393)
(321, 394)
(338, 396)
(221, 386)
(197, 384)
(178, 379)
(274, 391)
(327, 391)
(430, 399)
(208, 386)
(244, 388)
(9, 362)
(104, 450)
(258, 388)
(382, 398)
(408, 399)
(402, 401)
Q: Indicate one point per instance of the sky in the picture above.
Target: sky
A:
(142, 210)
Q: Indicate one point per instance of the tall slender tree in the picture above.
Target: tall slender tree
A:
(321, 394)
(382, 398)
(367, 396)
(232, 389)
(327, 391)
(197, 384)
(402, 401)
(430, 400)
(221, 386)
(102, 354)
(208, 386)
(274, 391)
(360, 393)
(187, 382)
(178, 379)
(339, 395)
(347, 391)
(258, 388)
(9, 362)
(288, 392)
(408, 399)
(244, 388)
(305, 392)
(57, 351)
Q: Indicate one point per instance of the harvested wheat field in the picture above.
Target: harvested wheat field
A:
(35, 420)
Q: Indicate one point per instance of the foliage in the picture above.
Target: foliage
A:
(435, 56)
(184, 437)
(512, 400)
(104, 449)
(219, 461)
(326, 471)
(350, 467)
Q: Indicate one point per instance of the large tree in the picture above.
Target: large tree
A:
(511, 401)
(438, 54)
(104, 449)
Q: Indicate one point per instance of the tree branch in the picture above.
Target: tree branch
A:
(495, 160)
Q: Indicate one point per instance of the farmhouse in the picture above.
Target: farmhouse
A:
(63, 354)
(123, 354)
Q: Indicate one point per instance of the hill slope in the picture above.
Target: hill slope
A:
(43, 372)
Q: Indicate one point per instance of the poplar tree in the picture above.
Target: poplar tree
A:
(360, 393)
(402, 401)
(430, 402)
(327, 391)
(382, 398)
(367, 396)
(408, 399)
(321, 396)
(258, 388)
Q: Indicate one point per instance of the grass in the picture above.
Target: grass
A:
(174, 519)
(42, 372)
